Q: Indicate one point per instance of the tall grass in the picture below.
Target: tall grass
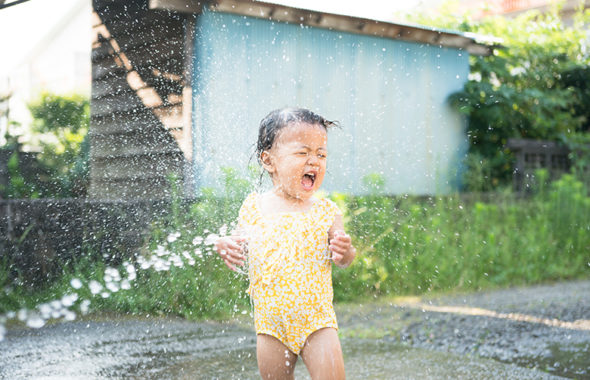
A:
(406, 245)
(413, 245)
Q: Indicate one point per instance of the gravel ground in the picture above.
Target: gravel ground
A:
(542, 327)
(540, 332)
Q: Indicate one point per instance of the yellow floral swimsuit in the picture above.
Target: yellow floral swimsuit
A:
(289, 270)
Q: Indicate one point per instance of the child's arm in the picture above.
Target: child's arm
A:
(230, 250)
(343, 252)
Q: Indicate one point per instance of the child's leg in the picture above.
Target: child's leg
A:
(275, 360)
(322, 355)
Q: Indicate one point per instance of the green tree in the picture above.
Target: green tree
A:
(60, 169)
(533, 86)
(63, 122)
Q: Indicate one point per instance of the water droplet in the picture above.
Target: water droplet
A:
(84, 306)
(173, 237)
(69, 315)
(35, 321)
(22, 315)
(76, 283)
(69, 299)
(95, 287)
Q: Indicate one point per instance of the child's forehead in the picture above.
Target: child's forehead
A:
(302, 132)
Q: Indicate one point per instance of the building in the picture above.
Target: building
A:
(179, 86)
(54, 60)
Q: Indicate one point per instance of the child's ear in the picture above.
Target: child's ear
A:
(266, 162)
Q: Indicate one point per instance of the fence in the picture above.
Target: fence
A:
(532, 155)
(38, 237)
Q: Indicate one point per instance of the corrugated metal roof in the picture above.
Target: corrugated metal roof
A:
(4, 4)
(333, 21)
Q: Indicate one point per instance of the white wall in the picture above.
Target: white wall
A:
(47, 45)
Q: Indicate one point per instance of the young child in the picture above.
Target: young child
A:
(292, 237)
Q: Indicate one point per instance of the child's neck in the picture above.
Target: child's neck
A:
(277, 200)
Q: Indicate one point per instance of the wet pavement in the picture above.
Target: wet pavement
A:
(545, 328)
(538, 332)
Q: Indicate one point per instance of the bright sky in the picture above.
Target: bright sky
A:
(22, 27)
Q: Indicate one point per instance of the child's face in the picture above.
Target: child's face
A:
(297, 160)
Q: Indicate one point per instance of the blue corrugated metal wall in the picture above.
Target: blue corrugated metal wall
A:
(389, 96)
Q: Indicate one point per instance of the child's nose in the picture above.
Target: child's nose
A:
(312, 159)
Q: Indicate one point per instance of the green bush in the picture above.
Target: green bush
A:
(535, 85)
(59, 132)
(187, 277)
(406, 245)
(411, 245)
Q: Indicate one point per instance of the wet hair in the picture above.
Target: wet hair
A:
(278, 119)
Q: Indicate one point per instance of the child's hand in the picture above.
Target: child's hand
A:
(231, 251)
(342, 250)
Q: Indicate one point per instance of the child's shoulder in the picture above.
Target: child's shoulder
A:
(250, 200)
(247, 214)
(327, 205)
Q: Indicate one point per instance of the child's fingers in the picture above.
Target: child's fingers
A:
(233, 257)
(339, 233)
(340, 245)
(229, 265)
(343, 237)
(231, 244)
(338, 251)
(227, 245)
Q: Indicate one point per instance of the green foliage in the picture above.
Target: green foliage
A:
(373, 183)
(60, 169)
(414, 245)
(478, 173)
(406, 245)
(534, 86)
(579, 145)
(202, 287)
(185, 277)
(578, 77)
(18, 186)
(61, 115)
(65, 156)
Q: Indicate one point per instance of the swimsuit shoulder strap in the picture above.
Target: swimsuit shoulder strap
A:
(248, 212)
(326, 211)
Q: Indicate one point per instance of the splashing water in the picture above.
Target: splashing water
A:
(161, 259)
(244, 234)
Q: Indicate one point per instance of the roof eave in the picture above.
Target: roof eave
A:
(331, 21)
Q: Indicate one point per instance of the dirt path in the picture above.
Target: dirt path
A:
(542, 327)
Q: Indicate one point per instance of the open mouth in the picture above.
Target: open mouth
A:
(308, 181)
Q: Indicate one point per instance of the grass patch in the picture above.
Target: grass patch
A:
(411, 245)
(406, 246)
